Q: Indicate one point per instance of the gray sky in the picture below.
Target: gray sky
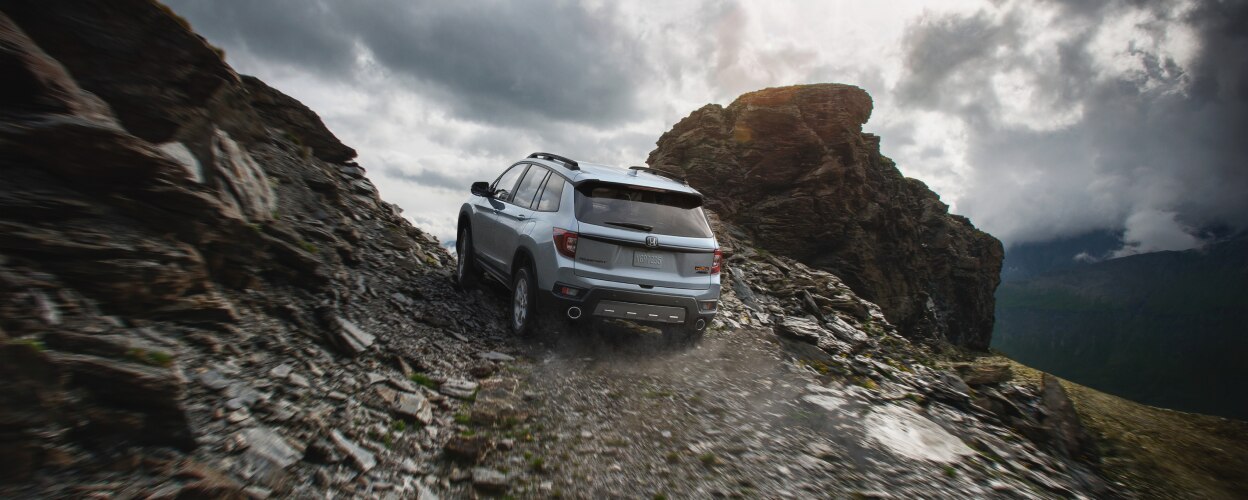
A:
(1036, 119)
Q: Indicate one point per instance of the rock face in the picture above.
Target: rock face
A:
(185, 252)
(289, 114)
(792, 166)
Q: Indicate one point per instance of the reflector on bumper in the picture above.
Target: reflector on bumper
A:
(640, 312)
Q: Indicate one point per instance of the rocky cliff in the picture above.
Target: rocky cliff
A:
(792, 166)
(186, 254)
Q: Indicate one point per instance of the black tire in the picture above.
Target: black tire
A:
(467, 275)
(523, 317)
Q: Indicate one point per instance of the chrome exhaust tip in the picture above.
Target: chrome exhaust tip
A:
(700, 325)
(574, 312)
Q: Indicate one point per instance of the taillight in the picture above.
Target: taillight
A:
(565, 242)
(718, 263)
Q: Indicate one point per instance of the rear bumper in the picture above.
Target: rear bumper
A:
(636, 305)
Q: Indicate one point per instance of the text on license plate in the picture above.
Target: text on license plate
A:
(645, 259)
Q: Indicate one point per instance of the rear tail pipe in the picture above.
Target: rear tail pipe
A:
(574, 312)
(699, 325)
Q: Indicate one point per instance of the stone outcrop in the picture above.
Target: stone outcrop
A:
(287, 113)
(174, 236)
(792, 166)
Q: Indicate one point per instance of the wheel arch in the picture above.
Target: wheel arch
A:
(465, 220)
(523, 257)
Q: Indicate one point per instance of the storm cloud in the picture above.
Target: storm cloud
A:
(1038, 120)
(1126, 116)
(495, 61)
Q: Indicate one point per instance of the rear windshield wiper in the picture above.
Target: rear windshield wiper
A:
(631, 225)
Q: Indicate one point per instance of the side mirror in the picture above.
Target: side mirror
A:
(482, 189)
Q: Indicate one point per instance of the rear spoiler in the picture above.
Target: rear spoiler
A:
(662, 173)
(589, 183)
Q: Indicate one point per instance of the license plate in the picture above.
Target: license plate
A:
(646, 259)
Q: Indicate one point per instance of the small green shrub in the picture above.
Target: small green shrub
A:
(422, 379)
(33, 344)
(708, 459)
(309, 247)
(151, 358)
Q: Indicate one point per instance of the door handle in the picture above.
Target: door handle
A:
(522, 217)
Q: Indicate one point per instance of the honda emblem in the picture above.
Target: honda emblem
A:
(652, 241)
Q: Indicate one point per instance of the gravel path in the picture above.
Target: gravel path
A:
(613, 412)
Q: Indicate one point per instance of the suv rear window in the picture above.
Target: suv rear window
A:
(631, 207)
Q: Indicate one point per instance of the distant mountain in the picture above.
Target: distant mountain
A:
(1166, 328)
(1032, 259)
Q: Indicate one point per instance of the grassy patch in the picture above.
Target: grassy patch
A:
(819, 366)
(866, 382)
(386, 439)
(508, 422)
(150, 358)
(32, 344)
(398, 426)
(708, 459)
(1159, 453)
(422, 379)
(309, 247)
(617, 442)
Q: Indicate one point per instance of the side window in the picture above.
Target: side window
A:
(529, 186)
(549, 202)
(506, 183)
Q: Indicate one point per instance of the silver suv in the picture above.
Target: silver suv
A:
(582, 240)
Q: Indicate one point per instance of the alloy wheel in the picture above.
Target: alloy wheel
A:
(521, 304)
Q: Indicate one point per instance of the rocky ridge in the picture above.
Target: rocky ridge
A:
(792, 166)
(198, 288)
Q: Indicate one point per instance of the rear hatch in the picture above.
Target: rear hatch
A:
(643, 235)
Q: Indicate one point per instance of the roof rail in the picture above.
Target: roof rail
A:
(670, 175)
(571, 164)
